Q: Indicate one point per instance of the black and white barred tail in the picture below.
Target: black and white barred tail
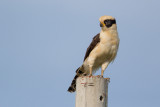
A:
(72, 88)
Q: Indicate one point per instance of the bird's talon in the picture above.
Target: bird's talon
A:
(99, 75)
(90, 75)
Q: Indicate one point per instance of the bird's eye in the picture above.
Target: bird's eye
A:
(109, 23)
(106, 20)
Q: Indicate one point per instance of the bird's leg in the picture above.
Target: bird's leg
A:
(104, 66)
(102, 71)
(90, 71)
(90, 64)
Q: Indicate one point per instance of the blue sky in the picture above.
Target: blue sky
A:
(43, 42)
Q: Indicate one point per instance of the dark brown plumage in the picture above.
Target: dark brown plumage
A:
(72, 88)
(94, 42)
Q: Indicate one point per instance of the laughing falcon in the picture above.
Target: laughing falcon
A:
(102, 50)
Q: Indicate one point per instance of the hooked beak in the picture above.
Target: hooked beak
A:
(102, 24)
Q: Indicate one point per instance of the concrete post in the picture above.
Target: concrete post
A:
(92, 91)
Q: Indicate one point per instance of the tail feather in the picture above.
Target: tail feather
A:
(72, 88)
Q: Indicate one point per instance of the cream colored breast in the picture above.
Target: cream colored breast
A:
(109, 45)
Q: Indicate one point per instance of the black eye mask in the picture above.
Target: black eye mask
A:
(109, 22)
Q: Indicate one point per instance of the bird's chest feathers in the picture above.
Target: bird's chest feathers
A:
(105, 50)
(108, 43)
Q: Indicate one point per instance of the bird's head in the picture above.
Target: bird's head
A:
(107, 23)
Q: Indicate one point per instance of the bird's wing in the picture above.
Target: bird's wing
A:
(94, 42)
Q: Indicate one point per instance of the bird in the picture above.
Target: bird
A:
(101, 51)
